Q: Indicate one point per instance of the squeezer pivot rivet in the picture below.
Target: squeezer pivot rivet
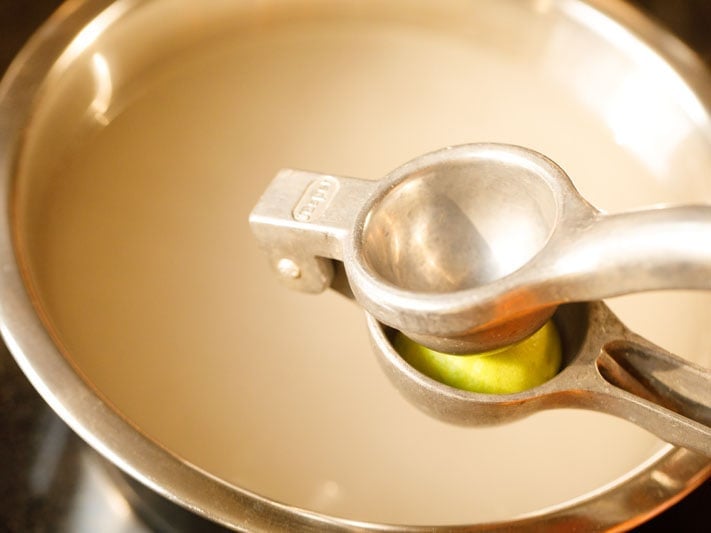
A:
(288, 269)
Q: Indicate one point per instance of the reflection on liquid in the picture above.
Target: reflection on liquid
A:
(653, 136)
(327, 494)
(543, 6)
(648, 61)
(104, 88)
(647, 106)
(91, 32)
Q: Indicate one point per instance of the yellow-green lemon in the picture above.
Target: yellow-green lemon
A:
(515, 368)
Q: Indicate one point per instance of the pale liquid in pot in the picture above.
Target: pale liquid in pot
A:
(145, 265)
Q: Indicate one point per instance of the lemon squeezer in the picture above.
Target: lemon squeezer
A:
(475, 247)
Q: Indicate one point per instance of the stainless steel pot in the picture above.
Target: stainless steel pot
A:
(56, 98)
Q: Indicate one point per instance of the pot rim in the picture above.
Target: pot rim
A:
(645, 491)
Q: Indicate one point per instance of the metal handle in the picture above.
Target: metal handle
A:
(666, 248)
(656, 390)
(301, 222)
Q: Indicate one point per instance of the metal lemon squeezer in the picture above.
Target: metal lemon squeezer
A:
(475, 247)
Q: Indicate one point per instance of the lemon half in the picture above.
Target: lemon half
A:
(507, 370)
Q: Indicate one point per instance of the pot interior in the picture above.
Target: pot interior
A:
(158, 130)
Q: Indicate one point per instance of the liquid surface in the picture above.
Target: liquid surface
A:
(140, 252)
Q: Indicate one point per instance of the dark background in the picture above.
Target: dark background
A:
(36, 488)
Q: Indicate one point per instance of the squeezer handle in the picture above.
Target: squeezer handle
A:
(664, 394)
(302, 220)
